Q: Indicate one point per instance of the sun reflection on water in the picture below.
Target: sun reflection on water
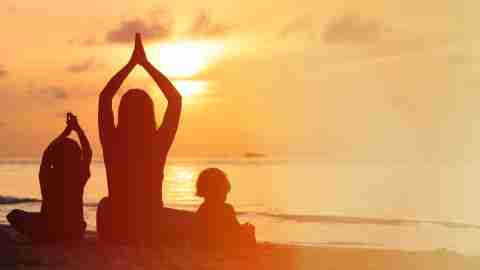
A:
(179, 185)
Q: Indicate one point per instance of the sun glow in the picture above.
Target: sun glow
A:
(187, 88)
(190, 88)
(184, 59)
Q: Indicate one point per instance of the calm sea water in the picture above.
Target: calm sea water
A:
(311, 202)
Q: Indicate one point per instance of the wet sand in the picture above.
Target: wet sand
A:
(18, 253)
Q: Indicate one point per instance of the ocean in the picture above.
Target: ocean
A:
(394, 205)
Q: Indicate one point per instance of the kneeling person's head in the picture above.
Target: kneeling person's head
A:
(213, 185)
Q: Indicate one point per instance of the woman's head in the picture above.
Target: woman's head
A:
(66, 154)
(212, 183)
(136, 113)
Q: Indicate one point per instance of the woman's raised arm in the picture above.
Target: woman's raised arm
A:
(167, 130)
(106, 124)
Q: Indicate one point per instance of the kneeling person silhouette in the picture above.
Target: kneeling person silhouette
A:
(64, 171)
(215, 224)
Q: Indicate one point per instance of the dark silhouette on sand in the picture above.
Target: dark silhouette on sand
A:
(135, 153)
(64, 171)
(215, 224)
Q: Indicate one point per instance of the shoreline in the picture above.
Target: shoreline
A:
(90, 253)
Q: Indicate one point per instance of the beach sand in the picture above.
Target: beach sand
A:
(18, 253)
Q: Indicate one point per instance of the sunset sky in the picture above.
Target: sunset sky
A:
(341, 80)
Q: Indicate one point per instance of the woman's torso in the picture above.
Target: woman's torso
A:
(135, 177)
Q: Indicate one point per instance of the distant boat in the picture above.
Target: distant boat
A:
(254, 155)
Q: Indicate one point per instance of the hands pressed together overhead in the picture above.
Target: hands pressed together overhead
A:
(138, 56)
(72, 122)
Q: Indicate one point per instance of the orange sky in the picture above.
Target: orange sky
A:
(350, 80)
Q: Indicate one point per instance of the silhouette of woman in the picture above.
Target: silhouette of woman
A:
(135, 152)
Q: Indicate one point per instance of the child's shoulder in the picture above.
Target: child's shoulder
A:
(226, 207)
(228, 210)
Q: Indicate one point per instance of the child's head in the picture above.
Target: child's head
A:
(213, 185)
(67, 153)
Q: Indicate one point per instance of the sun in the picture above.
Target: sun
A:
(189, 88)
(184, 59)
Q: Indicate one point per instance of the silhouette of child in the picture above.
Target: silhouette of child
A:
(64, 171)
(215, 224)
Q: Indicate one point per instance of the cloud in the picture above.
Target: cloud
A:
(353, 29)
(125, 32)
(158, 25)
(87, 65)
(203, 26)
(3, 72)
(91, 41)
(51, 92)
(299, 26)
(59, 93)
(11, 8)
(459, 59)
